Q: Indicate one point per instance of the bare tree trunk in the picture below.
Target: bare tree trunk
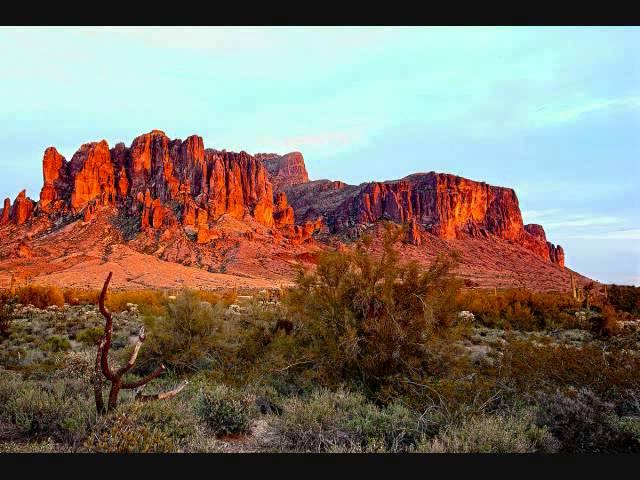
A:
(102, 365)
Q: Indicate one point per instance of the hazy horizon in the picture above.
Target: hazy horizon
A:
(551, 112)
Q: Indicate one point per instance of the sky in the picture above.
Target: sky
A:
(552, 112)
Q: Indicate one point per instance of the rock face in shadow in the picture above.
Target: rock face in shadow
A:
(284, 170)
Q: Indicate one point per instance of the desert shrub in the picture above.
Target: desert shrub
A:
(267, 350)
(607, 323)
(625, 298)
(520, 309)
(528, 368)
(628, 425)
(75, 365)
(40, 446)
(369, 318)
(5, 318)
(227, 297)
(190, 337)
(583, 423)
(62, 409)
(153, 427)
(224, 409)
(149, 302)
(40, 296)
(56, 343)
(76, 296)
(90, 336)
(511, 433)
(344, 421)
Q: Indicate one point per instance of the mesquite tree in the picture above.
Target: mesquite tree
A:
(115, 377)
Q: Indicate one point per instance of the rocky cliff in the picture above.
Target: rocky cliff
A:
(284, 170)
(443, 205)
(163, 181)
(169, 185)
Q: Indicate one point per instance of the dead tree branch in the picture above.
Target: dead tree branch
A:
(102, 365)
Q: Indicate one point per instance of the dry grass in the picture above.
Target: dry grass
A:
(40, 296)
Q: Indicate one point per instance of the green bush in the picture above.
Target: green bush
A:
(629, 425)
(90, 336)
(75, 365)
(225, 410)
(612, 374)
(344, 421)
(512, 433)
(5, 317)
(56, 343)
(583, 423)
(62, 409)
(520, 309)
(367, 317)
(153, 427)
(189, 338)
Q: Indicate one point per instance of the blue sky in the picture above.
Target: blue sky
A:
(552, 112)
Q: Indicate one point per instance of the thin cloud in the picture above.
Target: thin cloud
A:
(332, 140)
(630, 234)
(534, 215)
(586, 221)
(556, 114)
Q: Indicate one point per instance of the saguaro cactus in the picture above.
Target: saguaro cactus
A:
(115, 377)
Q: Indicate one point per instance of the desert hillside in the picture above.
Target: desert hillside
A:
(167, 213)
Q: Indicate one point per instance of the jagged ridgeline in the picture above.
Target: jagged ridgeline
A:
(167, 189)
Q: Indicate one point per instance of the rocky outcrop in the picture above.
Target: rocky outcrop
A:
(22, 209)
(447, 206)
(413, 235)
(284, 170)
(54, 172)
(556, 254)
(92, 176)
(156, 172)
(535, 239)
(4, 218)
(23, 250)
(164, 183)
(283, 213)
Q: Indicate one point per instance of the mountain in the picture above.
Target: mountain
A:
(171, 213)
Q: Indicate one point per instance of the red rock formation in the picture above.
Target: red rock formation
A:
(54, 172)
(158, 213)
(119, 157)
(284, 170)
(556, 254)
(446, 206)
(165, 183)
(89, 211)
(22, 208)
(4, 219)
(146, 210)
(283, 213)
(92, 175)
(208, 184)
(413, 233)
(205, 235)
(23, 250)
(535, 239)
